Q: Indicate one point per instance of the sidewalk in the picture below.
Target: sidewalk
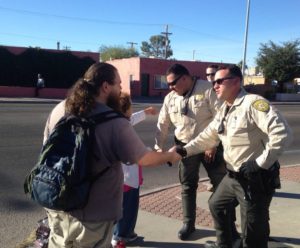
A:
(160, 216)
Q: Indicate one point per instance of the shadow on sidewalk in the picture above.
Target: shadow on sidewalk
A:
(197, 235)
(287, 195)
(289, 241)
(157, 244)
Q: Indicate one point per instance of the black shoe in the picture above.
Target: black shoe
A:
(185, 231)
(211, 244)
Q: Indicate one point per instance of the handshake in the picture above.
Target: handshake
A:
(176, 153)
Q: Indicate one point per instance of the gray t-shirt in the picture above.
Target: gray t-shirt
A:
(116, 142)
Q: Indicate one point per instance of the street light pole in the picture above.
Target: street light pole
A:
(246, 38)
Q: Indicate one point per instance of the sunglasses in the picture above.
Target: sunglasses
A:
(220, 81)
(210, 74)
(174, 82)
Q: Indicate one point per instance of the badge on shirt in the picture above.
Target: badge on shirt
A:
(199, 97)
(261, 105)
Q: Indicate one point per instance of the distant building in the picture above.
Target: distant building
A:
(146, 76)
(253, 76)
(254, 80)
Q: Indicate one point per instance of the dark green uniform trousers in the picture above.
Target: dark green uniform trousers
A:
(254, 204)
(189, 178)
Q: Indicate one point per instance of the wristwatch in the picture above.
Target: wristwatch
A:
(181, 151)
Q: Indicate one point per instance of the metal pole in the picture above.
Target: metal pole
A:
(246, 37)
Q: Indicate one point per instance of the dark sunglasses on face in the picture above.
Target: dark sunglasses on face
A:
(174, 82)
(210, 74)
(220, 81)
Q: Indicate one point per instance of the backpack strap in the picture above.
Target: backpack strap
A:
(101, 118)
(106, 116)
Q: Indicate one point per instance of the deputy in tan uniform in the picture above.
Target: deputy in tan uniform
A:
(211, 72)
(253, 134)
(189, 107)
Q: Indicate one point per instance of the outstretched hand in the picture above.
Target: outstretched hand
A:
(150, 111)
(174, 157)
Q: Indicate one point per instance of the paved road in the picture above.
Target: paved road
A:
(21, 127)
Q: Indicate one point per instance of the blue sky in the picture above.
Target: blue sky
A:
(210, 30)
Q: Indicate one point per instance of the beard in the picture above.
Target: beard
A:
(113, 101)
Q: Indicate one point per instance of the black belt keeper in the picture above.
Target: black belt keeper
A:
(233, 174)
(178, 142)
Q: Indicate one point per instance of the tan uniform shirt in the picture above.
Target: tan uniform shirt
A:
(253, 130)
(202, 105)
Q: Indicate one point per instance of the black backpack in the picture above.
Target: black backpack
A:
(61, 179)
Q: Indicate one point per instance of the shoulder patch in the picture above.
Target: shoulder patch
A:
(199, 97)
(261, 105)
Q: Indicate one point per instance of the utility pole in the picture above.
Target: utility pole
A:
(194, 51)
(131, 44)
(246, 38)
(167, 40)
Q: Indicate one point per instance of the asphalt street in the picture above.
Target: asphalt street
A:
(21, 128)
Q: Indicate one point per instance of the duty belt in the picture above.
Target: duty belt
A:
(233, 174)
(178, 142)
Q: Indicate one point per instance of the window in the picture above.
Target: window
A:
(160, 82)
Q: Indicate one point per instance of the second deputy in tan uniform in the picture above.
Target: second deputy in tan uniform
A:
(189, 107)
(253, 134)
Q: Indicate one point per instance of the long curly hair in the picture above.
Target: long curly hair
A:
(82, 96)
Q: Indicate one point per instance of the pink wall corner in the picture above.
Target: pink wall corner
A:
(127, 67)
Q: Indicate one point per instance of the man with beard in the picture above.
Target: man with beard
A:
(115, 142)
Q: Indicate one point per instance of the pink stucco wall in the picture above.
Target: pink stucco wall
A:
(127, 67)
(6, 91)
(138, 66)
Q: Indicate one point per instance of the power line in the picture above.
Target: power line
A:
(78, 18)
(42, 14)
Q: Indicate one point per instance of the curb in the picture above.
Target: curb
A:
(135, 101)
(30, 100)
(151, 191)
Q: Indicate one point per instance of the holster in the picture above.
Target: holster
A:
(271, 177)
(264, 181)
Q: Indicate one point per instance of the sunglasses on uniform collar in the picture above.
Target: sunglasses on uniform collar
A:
(174, 82)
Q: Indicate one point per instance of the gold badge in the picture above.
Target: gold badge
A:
(261, 105)
(199, 97)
